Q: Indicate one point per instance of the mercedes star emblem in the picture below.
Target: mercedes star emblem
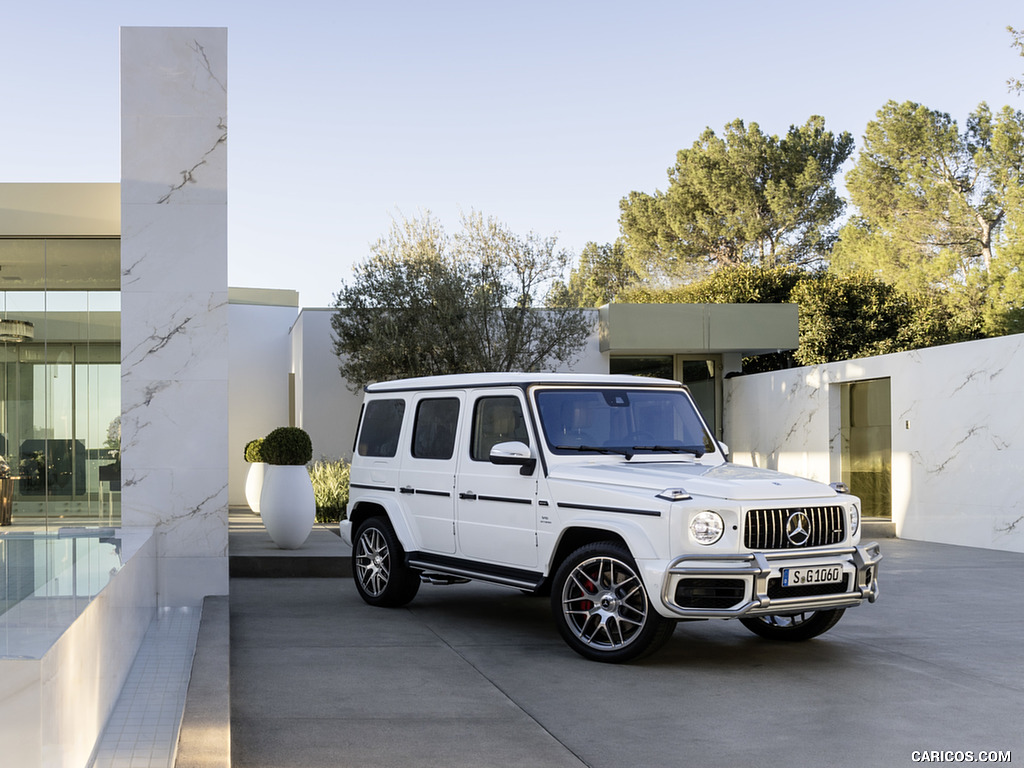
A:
(798, 528)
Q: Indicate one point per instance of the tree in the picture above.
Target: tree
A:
(841, 316)
(744, 198)
(933, 203)
(1016, 85)
(424, 303)
(601, 275)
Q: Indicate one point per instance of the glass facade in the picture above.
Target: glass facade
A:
(60, 383)
(697, 372)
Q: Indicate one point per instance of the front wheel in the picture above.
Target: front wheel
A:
(799, 626)
(378, 563)
(601, 607)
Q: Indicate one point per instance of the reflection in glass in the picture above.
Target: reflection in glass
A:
(47, 580)
(656, 366)
(60, 391)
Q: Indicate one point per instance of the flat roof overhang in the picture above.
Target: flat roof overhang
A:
(60, 237)
(748, 329)
(60, 210)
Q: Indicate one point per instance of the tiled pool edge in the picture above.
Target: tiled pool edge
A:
(53, 709)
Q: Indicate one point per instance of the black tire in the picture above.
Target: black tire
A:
(378, 566)
(801, 626)
(601, 607)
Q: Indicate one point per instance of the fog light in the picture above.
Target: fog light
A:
(707, 527)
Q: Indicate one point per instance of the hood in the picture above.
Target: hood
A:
(725, 481)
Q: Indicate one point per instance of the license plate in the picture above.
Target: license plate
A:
(818, 574)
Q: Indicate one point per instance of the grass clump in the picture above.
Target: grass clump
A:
(330, 489)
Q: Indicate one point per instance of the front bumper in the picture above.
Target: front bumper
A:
(756, 590)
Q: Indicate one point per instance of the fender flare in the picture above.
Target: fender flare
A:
(635, 536)
(397, 516)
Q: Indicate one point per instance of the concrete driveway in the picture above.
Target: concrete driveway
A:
(476, 676)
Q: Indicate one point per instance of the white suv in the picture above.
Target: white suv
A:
(610, 493)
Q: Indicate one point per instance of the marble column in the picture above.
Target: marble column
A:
(174, 303)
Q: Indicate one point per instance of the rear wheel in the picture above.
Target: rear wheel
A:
(799, 626)
(378, 562)
(601, 607)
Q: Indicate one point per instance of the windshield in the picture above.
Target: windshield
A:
(621, 421)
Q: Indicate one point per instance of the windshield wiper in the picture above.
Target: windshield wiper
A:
(697, 452)
(596, 449)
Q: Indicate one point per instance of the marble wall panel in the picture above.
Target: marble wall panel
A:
(192, 175)
(174, 336)
(165, 427)
(172, 247)
(173, 70)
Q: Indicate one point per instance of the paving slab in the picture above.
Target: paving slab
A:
(475, 675)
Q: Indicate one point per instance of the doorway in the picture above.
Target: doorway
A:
(866, 430)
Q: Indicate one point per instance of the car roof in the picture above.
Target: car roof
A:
(522, 380)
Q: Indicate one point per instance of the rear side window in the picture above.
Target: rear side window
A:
(382, 425)
(433, 433)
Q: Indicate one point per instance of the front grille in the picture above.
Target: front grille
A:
(776, 591)
(710, 593)
(767, 528)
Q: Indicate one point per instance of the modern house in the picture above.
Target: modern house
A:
(133, 377)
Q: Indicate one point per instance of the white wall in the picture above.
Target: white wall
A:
(324, 405)
(591, 359)
(258, 364)
(957, 434)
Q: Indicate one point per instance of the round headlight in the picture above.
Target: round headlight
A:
(854, 519)
(707, 527)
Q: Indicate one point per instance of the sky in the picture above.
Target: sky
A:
(346, 116)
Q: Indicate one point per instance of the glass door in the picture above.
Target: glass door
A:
(699, 375)
(866, 461)
(60, 433)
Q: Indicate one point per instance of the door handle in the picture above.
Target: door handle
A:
(407, 489)
(469, 495)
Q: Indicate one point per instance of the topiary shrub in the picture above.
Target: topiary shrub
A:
(254, 451)
(287, 446)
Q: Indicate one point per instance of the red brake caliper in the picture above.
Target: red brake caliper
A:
(586, 605)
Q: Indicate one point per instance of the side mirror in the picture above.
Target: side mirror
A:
(514, 453)
(725, 449)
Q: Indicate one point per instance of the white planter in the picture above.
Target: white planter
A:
(254, 485)
(287, 505)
